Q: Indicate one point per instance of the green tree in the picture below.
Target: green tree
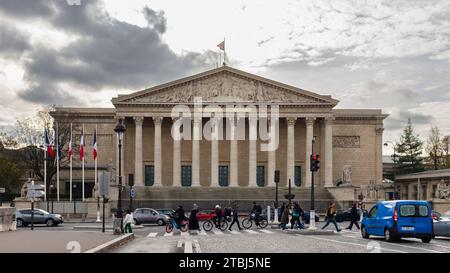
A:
(435, 149)
(408, 152)
(9, 176)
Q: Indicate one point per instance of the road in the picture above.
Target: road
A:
(154, 239)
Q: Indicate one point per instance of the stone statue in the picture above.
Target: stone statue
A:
(110, 168)
(347, 174)
(443, 190)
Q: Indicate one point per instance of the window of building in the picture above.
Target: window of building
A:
(223, 176)
(149, 175)
(298, 176)
(186, 176)
(260, 176)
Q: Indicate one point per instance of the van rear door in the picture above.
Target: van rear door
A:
(414, 218)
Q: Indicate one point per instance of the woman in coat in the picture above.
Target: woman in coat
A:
(284, 217)
(193, 221)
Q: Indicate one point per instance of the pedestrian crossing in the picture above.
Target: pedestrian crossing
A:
(209, 233)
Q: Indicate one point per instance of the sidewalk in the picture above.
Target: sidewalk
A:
(46, 241)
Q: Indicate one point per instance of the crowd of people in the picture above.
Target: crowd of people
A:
(288, 215)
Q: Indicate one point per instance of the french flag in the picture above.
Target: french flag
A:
(50, 151)
(82, 145)
(94, 151)
(70, 143)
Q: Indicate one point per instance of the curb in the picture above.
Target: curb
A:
(111, 244)
(310, 232)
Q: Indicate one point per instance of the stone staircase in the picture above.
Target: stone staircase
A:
(208, 197)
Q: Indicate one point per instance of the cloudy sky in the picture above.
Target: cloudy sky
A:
(393, 55)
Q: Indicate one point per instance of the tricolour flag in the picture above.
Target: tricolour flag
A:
(82, 145)
(70, 143)
(50, 151)
(222, 45)
(94, 151)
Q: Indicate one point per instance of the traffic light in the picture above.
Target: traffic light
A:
(277, 176)
(314, 160)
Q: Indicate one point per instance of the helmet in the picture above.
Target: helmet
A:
(217, 206)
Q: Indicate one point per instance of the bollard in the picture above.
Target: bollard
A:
(275, 221)
(268, 214)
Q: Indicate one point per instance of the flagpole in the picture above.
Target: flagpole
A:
(82, 171)
(224, 53)
(45, 167)
(95, 172)
(57, 162)
(70, 172)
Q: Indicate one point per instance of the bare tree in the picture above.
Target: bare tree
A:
(435, 148)
(446, 146)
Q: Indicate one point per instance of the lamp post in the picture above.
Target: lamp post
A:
(51, 194)
(74, 199)
(120, 130)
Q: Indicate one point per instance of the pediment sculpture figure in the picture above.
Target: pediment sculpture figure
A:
(443, 190)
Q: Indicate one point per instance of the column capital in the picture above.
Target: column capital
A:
(379, 130)
(157, 120)
(196, 121)
(310, 120)
(175, 118)
(138, 120)
(328, 120)
(291, 121)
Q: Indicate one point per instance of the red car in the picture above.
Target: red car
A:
(205, 215)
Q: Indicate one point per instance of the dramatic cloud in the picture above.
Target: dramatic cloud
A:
(106, 53)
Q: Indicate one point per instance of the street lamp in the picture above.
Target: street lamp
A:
(51, 194)
(120, 130)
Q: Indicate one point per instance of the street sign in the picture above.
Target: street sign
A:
(133, 193)
(104, 178)
(2, 190)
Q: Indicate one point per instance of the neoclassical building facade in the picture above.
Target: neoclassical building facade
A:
(196, 169)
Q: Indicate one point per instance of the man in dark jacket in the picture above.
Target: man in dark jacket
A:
(353, 217)
(235, 218)
(330, 217)
(257, 211)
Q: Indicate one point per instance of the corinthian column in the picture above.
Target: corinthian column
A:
(158, 165)
(328, 152)
(272, 157)
(252, 152)
(290, 149)
(215, 153)
(196, 153)
(233, 153)
(138, 163)
(176, 172)
(309, 136)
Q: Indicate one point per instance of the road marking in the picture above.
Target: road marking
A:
(234, 232)
(168, 234)
(217, 232)
(193, 232)
(348, 243)
(413, 247)
(152, 234)
(266, 231)
(188, 247)
(202, 232)
(185, 234)
(250, 231)
(180, 244)
(441, 246)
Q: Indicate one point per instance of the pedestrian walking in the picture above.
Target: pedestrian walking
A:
(284, 217)
(297, 212)
(353, 217)
(330, 217)
(193, 221)
(128, 221)
(235, 213)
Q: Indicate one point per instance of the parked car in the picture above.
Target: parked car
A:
(397, 219)
(435, 214)
(168, 212)
(345, 215)
(441, 225)
(23, 218)
(149, 216)
(204, 215)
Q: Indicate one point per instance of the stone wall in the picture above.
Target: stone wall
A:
(7, 219)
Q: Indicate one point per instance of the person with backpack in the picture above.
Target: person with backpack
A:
(257, 211)
(297, 213)
(331, 212)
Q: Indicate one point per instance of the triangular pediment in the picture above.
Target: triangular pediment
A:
(225, 85)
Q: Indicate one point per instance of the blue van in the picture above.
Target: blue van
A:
(397, 219)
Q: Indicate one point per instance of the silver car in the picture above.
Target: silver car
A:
(23, 218)
(149, 216)
(441, 225)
